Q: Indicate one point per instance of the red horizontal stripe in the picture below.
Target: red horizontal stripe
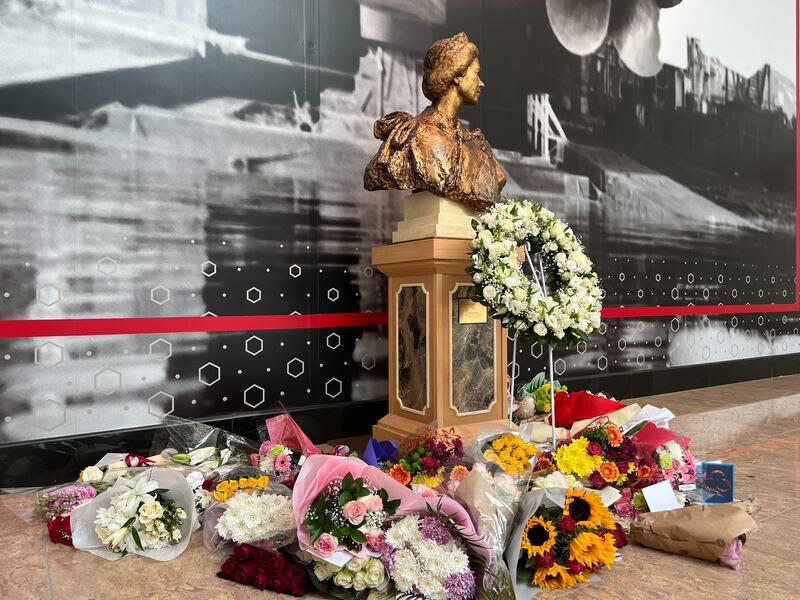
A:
(146, 325)
(78, 327)
(679, 311)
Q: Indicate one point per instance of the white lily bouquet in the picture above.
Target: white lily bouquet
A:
(151, 514)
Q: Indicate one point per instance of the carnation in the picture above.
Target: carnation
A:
(251, 517)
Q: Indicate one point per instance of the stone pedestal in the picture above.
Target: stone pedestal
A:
(426, 215)
(447, 360)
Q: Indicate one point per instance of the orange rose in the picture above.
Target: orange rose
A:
(609, 472)
(644, 471)
(614, 435)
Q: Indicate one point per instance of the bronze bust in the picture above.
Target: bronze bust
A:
(432, 151)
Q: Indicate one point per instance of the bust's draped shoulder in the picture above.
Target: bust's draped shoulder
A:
(433, 152)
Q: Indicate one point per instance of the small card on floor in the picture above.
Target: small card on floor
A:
(718, 483)
(660, 496)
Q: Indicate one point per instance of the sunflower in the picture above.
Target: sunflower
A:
(609, 472)
(539, 536)
(591, 549)
(587, 509)
(557, 577)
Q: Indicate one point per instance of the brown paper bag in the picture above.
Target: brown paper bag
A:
(701, 531)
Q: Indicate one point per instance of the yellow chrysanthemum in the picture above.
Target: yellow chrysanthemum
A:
(591, 549)
(432, 481)
(574, 458)
(587, 510)
(497, 444)
(539, 536)
(557, 577)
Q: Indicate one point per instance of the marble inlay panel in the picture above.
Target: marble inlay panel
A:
(412, 347)
(473, 359)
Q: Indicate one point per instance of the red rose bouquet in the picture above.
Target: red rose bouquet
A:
(264, 570)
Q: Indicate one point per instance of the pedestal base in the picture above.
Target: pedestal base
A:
(426, 215)
(401, 430)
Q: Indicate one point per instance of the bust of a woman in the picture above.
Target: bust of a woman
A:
(432, 151)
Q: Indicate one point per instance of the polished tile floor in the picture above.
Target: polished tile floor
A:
(755, 425)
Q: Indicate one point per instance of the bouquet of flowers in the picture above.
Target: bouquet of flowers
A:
(562, 537)
(534, 397)
(427, 555)
(264, 570)
(324, 476)
(257, 517)
(282, 455)
(424, 459)
(603, 456)
(349, 513)
(510, 452)
(675, 464)
(56, 505)
(353, 581)
(151, 514)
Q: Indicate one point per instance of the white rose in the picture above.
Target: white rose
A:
(511, 282)
(322, 571)
(355, 564)
(489, 292)
(176, 534)
(359, 581)
(477, 277)
(344, 578)
(91, 474)
(150, 511)
(540, 329)
(374, 574)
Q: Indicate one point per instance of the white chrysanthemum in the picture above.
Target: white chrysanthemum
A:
(251, 517)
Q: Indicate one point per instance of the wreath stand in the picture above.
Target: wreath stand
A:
(541, 279)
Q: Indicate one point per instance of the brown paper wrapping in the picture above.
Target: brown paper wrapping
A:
(701, 531)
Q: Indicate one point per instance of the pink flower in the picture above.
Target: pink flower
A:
(265, 448)
(567, 524)
(429, 463)
(624, 509)
(594, 449)
(373, 503)
(354, 511)
(423, 490)
(374, 540)
(283, 463)
(326, 544)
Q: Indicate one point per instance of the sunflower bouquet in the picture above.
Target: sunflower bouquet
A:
(561, 538)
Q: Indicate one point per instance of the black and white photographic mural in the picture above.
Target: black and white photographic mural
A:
(204, 158)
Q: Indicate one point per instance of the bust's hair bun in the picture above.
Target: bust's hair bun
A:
(445, 60)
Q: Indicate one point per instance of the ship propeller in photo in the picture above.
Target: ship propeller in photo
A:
(163, 158)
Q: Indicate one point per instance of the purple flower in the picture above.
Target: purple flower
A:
(432, 528)
(460, 586)
(387, 552)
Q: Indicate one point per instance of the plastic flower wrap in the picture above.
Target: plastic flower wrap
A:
(510, 452)
(282, 455)
(426, 459)
(675, 464)
(491, 502)
(561, 537)
(151, 514)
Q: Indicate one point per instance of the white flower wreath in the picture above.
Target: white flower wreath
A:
(568, 310)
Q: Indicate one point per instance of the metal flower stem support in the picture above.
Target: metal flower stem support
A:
(541, 279)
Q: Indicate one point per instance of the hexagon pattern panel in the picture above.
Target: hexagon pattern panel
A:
(131, 187)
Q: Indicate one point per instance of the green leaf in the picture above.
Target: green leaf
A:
(347, 480)
(136, 539)
(129, 521)
(345, 498)
(358, 536)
